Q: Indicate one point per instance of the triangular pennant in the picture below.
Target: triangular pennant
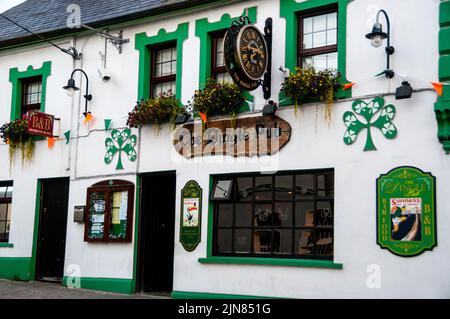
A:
(88, 117)
(348, 86)
(203, 116)
(51, 142)
(438, 87)
(107, 124)
(67, 135)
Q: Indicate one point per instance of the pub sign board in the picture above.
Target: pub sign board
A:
(40, 124)
(191, 216)
(406, 211)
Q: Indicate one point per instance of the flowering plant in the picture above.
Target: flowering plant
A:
(308, 84)
(15, 134)
(217, 99)
(159, 110)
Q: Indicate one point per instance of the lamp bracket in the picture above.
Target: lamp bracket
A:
(72, 52)
(117, 39)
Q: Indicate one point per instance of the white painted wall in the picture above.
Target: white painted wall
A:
(313, 145)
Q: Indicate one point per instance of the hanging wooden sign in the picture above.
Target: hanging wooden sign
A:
(40, 124)
(251, 136)
(191, 216)
(406, 213)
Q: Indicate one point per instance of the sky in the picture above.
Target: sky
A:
(7, 4)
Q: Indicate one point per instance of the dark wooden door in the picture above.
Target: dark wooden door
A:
(157, 232)
(51, 245)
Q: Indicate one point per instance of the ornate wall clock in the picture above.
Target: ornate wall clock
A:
(247, 55)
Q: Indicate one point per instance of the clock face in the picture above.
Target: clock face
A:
(252, 53)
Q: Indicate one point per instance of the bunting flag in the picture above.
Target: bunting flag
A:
(438, 87)
(204, 117)
(348, 86)
(51, 142)
(107, 124)
(67, 135)
(88, 118)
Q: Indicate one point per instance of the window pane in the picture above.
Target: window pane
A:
(304, 214)
(242, 241)
(223, 78)
(325, 185)
(284, 187)
(245, 188)
(32, 92)
(331, 37)
(164, 88)
(262, 241)
(324, 243)
(324, 214)
(243, 215)
(3, 234)
(321, 62)
(304, 242)
(307, 25)
(263, 215)
(320, 23)
(263, 188)
(332, 20)
(3, 191)
(96, 215)
(224, 240)
(3, 211)
(320, 39)
(8, 217)
(119, 215)
(283, 214)
(282, 241)
(225, 215)
(308, 41)
(304, 186)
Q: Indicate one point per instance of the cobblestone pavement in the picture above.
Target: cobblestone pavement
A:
(41, 290)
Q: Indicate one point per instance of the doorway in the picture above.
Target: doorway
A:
(157, 233)
(51, 242)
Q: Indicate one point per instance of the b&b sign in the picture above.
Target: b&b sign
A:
(40, 124)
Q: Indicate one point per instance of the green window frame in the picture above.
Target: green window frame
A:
(290, 10)
(206, 31)
(144, 45)
(18, 78)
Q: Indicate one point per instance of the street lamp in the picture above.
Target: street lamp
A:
(71, 88)
(377, 37)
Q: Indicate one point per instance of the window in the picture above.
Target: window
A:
(32, 94)
(164, 69)
(287, 215)
(6, 191)
(219, 71)
(109, 212)
(318, 40)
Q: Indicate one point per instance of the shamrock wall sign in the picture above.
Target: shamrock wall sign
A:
(368, 111)
(120, 142)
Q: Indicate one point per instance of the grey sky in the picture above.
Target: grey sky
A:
(7, 4)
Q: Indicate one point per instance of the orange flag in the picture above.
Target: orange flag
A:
(438, 87)
(88, 118)
(51, 142)
(7, 141)
(348, 86)
(204, 117)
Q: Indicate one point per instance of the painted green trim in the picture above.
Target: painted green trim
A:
(207, 295)
(137, 216)
(16, 77)
(203, 30)
(143, 44)
(121, 286)
(209, 243)
(442, 107)
(289, 10)
(6, 245)
(15, 268)
(271, 262)
(32, 266)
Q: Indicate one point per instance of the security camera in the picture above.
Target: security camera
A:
(103, 74)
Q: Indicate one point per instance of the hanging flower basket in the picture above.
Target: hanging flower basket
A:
(217, 99)
(165, 108)
(15, 135)
(306, 85)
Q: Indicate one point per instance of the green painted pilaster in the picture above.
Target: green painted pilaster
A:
(289, 10)
(15, 268)
(143, 45)
(16, 77)
(442, 107)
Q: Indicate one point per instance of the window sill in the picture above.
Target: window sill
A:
(272, 262)
(6, 245)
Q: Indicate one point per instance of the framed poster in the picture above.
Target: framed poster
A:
(406, 211)
(191, 216)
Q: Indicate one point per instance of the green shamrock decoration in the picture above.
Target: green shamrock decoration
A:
(125, 143)
(368, 111)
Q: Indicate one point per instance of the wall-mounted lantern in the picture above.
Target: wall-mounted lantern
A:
(71, 88)
(377, 37)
